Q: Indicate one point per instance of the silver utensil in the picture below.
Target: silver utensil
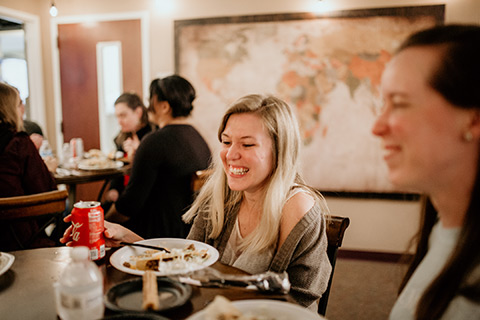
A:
(144, 246)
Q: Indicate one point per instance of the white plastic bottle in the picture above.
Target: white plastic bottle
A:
(79, 292)
(45, 149)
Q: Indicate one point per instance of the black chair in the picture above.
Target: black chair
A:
(46, 207)
(336, 227)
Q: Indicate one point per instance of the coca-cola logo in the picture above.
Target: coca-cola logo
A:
(75, 231)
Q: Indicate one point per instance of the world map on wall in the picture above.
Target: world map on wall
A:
(329, 70)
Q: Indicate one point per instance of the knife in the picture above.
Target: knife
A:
(144, 246)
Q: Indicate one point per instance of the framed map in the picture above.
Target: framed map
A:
(328, 67)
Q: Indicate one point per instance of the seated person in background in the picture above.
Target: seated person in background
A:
(30, 127)
(255, 208)
(36, 135)
(159, 189)
(132, 117)
(22, 171)
(34, 131)
(134, 125)
(430, 127)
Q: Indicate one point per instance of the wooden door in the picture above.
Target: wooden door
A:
(78, 78)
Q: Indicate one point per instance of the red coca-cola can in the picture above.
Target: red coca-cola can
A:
(87, 222)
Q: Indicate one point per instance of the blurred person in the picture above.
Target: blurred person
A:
(159, 189)
(430, 129)
(132, 117)
(255, 209)
(34, 131)
(22, 171)
(134, 124)
(36, 135)
(30, 127)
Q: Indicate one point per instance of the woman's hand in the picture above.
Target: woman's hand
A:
(114, 234)
(51, 163)
(112, 195)
(130, 146)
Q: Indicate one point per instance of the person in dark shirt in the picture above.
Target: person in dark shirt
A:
(23, 171)
(132, 117)
(159, 190)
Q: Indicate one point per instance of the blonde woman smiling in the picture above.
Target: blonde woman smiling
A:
(255, 209)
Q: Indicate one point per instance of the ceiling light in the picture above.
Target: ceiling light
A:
(53, 10)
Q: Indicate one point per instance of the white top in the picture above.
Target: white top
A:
(245, 260)
(442, 241)
(248, 261)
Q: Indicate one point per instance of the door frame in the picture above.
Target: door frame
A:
(34, 59)
(143, 16)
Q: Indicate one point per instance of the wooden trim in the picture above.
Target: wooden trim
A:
(372, 195)
(374, 256)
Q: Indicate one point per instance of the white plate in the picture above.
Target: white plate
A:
(6, 261)
(110, 165)
(123, 255)
(278, 310)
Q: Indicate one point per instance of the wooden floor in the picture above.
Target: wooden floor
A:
(363, 289)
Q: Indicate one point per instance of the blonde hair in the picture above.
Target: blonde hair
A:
(217, 200)
(8, 107)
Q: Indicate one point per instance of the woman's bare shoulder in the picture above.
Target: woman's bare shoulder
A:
(294, 210)
(298, 205)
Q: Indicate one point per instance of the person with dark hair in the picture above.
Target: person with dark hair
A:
(34, 131)
(430, 127)
(36, 135)
(22, 170)
(159, 190)
(132, 117)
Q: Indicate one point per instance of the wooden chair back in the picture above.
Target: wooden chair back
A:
(199, 178)
(336, 227)
(48, 205)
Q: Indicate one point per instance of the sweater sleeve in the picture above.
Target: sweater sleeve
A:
(304, 257)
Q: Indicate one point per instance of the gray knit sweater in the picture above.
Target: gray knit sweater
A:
(303, 255)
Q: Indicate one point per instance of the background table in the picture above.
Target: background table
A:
(85, 176)
(26, 290)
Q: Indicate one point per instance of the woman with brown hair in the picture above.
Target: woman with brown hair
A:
(22, 172)
(430, 128)
(159, 190)
(132, 117)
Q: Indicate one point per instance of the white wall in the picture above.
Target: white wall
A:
(377, 225)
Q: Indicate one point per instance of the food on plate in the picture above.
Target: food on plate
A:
(97, 163)
(176, 259)
(113, 155)
(150, 291)
(222, 309)
(94, 153)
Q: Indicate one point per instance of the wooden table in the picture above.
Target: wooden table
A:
(85, 176)
(26, 290)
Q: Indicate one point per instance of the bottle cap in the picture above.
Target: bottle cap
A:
(79, 253)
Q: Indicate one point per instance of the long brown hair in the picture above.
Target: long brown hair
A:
(457, 80)
(8, 107)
